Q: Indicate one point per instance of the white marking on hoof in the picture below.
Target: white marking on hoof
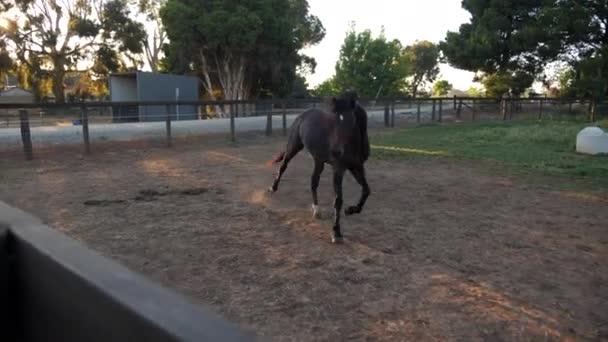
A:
(315, 212)
(337, 240)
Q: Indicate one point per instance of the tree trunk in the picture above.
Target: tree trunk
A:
(58, 77)
(34, 82)
(209, 85)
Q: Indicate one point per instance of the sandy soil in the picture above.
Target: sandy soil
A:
(443, 251)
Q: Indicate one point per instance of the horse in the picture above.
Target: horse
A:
(339, 139)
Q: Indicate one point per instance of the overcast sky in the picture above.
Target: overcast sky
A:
(406, 20)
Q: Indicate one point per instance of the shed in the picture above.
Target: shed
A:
(16, 95)
(148, 86)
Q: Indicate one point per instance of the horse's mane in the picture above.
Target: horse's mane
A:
(361, 117)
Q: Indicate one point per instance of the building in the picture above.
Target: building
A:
(16, 95)
(147, 86)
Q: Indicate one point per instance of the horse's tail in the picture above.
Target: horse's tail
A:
(293, 139)
(279, 158)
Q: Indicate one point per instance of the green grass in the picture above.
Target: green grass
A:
(541, 148)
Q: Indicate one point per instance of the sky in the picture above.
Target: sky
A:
(406, 20)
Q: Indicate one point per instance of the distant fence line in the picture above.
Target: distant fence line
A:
(93, 104)
(385, 108)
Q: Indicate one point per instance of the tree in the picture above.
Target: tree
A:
(241, 48)
(156, 35)
(580, 27)
(442, 88)
(300, 88)
(50, 37)
(474, 92)
(373, 66)
(6, 64)
(422, 58)
(326, 88)
(505, 40)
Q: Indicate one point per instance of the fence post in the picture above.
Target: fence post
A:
(284, 116)
(569, 106)
(26, 138)
(540, 109)
(503, 108)
(440, 114)
(459, 109)
(386, 115)
(454, 102)
(84, 117)
(474, 114)
(593, 105)
(168, 124)
(393, 114)
(418, 111)
(433, 112)
(232, 129)
(269, 123)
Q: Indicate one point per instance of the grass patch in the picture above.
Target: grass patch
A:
(546, 147)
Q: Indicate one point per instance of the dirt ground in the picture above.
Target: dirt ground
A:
(443, 250)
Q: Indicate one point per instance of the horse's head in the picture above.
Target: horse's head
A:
(344, 109)
(347, 134)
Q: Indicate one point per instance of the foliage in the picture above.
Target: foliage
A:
(502, 41)
(475, 92)
(587, 78)
(372, 66)
(327, 88)
(546, 147)
(422, 59)
(442, 88)
(51, 36)
(240, 47)
(580, 28)
(510, 42)
(299, 89)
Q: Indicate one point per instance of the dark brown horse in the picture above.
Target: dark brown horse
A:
(338, 139)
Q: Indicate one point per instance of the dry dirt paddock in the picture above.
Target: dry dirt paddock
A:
(443, 251)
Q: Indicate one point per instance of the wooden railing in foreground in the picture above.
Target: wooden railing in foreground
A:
(52, 288)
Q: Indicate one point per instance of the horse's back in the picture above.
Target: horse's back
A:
(314, 129)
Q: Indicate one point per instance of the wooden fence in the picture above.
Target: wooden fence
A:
(507, 108)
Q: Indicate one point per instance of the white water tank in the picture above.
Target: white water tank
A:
(592, 140)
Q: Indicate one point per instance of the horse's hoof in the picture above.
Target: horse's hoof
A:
(271, 190)
(351, 210)
(316, 213)
(337, 239)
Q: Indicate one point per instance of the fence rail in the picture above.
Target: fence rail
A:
(55, 289)
(273, 101)
(173, 118)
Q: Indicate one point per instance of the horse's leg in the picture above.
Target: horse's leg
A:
(338, 176)
(359, 173)
(314, 184)
(293, 147)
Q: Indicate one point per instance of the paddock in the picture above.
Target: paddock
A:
(444, 250)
